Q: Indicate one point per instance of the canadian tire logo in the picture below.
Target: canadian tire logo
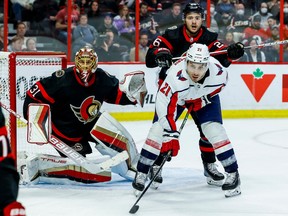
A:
(258, 83)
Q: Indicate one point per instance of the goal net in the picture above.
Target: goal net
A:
(18, 72)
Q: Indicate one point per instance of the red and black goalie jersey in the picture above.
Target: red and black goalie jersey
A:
(74, 105)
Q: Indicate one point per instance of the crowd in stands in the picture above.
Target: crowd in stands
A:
(109, 25)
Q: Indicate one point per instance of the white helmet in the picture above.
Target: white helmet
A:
(198, 53)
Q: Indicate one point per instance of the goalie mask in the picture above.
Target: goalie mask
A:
(86, 62)
(197, 59)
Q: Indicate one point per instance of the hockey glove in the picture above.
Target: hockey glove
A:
(199, 103)
(163, 57)
(14, 209)
(235, 51)
(170, 142)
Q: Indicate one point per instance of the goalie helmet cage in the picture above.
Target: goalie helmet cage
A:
(18, 71)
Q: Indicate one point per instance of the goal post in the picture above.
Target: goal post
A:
(18, 72)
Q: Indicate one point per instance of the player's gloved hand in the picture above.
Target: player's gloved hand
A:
(163, 57)
(199, 103)
(235, 51)
(14, 209)
(170, 142)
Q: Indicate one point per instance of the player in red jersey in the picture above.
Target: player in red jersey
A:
(9, 177)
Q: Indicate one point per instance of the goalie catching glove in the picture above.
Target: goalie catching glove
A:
(235, 51)
(170, 142)
(134, 86)
(163, 57)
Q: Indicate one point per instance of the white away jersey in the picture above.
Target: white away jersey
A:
(179, 89)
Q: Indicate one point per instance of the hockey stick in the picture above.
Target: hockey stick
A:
(135, 207)
(247, 47)
(74, 155)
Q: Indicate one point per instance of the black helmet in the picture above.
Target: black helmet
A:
(193, 7)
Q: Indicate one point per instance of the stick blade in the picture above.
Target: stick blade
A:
(134, 209)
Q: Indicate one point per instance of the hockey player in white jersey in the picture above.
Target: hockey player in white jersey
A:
(193, 82)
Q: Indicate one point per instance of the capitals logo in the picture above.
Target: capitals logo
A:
(180, 76)
(88, 110)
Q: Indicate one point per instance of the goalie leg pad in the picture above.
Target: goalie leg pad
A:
(50, 166)
(112, 138)
(59, 167)
(28, 168)
(216, 135)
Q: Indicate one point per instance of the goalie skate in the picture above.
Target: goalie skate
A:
(158, 180)
(139, 183)
(213, 176)
(231, 187)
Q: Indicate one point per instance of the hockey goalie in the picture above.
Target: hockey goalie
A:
(75, 96)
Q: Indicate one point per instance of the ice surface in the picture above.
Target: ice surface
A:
(261, 147)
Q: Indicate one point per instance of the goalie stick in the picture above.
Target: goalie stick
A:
(74, 155)
(135, 207)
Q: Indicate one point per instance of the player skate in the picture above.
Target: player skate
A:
(213, 176)
(158, 180)
(231, 187)
(139, 183)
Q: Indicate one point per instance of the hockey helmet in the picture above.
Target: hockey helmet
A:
(86, 62)
(197, 59)
(193, 8)
(198, 53)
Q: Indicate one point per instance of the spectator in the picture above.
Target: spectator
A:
(285, 10)
(229, 38)
(21, 30)
(83, 5)
(143, 48)
(271, 23)
(44, 12)
(272, 52)
(147, 22)
(264, 14)
(2, 38)
(107, 24)
(224, 22)
(94, 15)
(16, 44)
(213, 24)
(253, 54)
(172, 18)
(154, 5)
(225, 6)
(31, 45)
(120, 20)
(255, 31)
(84, 34)
(109, 50)
(240, 19)
(22, 10)
(124, 23)
(273, 7)
(61, 21)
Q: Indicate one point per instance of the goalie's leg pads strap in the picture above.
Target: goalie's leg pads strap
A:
(216, 135)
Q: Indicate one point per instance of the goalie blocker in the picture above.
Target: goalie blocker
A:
(111, 138)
